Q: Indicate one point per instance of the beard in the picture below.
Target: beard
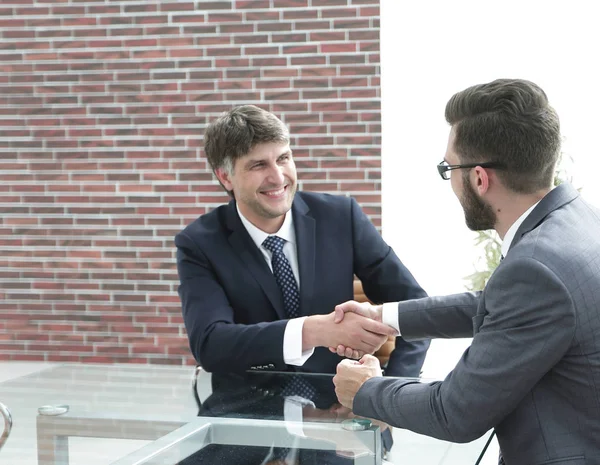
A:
(479, 215)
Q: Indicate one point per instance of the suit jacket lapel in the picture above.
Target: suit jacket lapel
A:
(555, 199)
(304, 226)
(252, 257)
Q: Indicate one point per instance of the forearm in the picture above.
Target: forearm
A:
(417, 407)
(237, 348)
(438, 317)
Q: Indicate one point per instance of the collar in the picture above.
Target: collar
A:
(286, 231)
(510, 234)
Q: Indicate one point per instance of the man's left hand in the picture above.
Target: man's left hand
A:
(351, 375)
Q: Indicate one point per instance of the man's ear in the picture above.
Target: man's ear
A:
(481, 181)
(224, 178)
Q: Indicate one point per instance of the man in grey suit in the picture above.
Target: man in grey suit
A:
(532, 371)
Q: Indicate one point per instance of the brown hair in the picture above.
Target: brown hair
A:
(507, 121)
(233, 134)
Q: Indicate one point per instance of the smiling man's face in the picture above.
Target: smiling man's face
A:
(264, 183)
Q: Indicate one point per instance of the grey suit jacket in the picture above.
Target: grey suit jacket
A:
(532, 371)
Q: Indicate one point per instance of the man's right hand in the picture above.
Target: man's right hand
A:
(364, 335)
(365, 309)
(374, 312)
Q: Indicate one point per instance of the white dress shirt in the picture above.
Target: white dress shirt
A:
(292, 337)
(390, 310)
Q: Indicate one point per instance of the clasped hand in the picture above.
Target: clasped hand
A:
(354, 329)
(351, 375)
(348, 311)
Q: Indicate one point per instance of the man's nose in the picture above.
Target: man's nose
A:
(276, 174)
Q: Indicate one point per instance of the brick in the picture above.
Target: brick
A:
(370, 47)
(338, 48)
(339, 13)
(250, 4)
(273, 84)
(367, 152)
(312, 71)
(360, 93)
(329, 3)
(308, 60)
(179, 6)
(320, 94)
(263, 16)
(261, 50)
(16, 34)
(197, 18)
(235, 28)
(357, 23)
(225, 17)
(367, 70)
(207, 5)
(292, 37)
(370, 11)
(274, 26)
(374, 58)
(233, 62)
(240, 74)
(140, 8)
(312, 25)
(104, 9)
(347, 59)
(279, 72)
(251, 39)
(152, 19)
(310, 13)
(268, 62)
(290, 3)
(288, 95)
(345, 117)
(311, 83)
(300, 49)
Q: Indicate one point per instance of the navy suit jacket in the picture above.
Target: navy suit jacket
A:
(233, 309)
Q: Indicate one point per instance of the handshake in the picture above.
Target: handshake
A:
(352, 330)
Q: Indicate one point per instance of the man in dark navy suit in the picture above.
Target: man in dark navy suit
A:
(261, 276)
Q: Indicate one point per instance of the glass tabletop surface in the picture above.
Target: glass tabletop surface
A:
(254, 417)
(149, 415)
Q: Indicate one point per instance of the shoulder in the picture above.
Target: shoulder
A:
(205, 228)
(564, 241)
(325, 205)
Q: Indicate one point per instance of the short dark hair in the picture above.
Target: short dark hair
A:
(508, 121)
(233, 134)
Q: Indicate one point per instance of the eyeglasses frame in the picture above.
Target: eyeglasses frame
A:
(443, 167)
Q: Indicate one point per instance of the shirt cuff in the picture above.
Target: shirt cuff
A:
(389, 315)
(292, 343)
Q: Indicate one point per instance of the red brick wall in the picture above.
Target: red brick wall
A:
(102, 110)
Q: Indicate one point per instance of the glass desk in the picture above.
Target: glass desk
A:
(147, 415)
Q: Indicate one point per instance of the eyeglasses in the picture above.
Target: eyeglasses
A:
(444, 168)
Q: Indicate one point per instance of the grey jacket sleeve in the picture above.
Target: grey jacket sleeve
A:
(523, 334)
(438, 317)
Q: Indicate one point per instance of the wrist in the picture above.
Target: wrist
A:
(311, 336)
(379, 313)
